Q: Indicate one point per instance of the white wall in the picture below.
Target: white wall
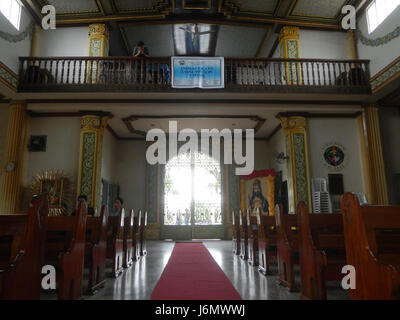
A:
(109, 158)
(131, 173)
(323, 44)
(69, 42)
(62, 152)
(4, 110)
(315, 44)
(383, 55)
(277, 145)
(345, 132)
(261, 160)
(10, 51)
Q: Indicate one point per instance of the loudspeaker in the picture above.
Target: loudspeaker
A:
(336, 184)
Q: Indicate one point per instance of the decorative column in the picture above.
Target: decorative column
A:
(98, 40)
(297, 165)
(11, 178)
(90, 158)
(98, 47)
(351, 44)
(290, 48)
(372, 138)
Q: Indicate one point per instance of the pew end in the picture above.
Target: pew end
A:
(369, 232)
(287, 247)
(244, 237)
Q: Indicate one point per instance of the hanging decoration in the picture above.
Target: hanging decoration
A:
(20, 36)
(378, 41)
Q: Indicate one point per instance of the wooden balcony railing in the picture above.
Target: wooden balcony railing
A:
(88, 74)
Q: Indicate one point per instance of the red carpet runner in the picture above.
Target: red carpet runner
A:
(193, 274)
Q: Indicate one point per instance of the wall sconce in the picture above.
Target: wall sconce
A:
(280, 158)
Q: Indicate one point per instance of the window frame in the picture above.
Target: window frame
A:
(9, 16)
(374, 3)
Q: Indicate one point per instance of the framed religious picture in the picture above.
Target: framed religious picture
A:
(257, 192)
(55, 185)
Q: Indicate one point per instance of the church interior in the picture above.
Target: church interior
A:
(85, 215)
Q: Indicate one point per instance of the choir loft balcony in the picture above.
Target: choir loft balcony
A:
(129, 74)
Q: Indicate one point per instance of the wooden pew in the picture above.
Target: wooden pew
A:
(236, 232)
(115, 238)
(267, 238)
(253, 239)
(321, 251)
(287, 247)
(65, 250)
(96, 250)
(372, 239)
(244, 235)
(136, 236)
(142, 229)
(22, 238)
(127, 243)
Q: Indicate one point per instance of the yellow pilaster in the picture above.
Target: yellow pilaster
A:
(98, 46)
(351, 45)
(377, 186)
(98, 40)
(35, 41)
(11, 179)
(297, 164)
(290, 48)
(90, 158)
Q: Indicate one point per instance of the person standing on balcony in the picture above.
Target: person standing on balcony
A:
(140, 51)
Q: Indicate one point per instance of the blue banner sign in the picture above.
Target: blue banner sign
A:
(198, 72)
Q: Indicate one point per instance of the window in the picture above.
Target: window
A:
(11, 9)
(378, 11)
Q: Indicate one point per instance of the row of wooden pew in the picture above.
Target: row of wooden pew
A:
(364, 237)
(69, 244)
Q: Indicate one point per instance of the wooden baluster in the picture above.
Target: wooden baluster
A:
(126, 68)
(281, 77)
(141, 70)
(91, 71)
(136, 71)
(55, 80)
(73, 71)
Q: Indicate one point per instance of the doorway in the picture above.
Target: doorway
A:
(192, 198)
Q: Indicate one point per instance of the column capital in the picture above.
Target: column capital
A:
(373, 105)
(94, 121)
(289, 32)
(90, 122)
(21, 103)
(293, 123)
(98, 29)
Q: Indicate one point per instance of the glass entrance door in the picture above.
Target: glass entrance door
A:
(192, 198)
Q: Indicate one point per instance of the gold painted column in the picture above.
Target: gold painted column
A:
(352, 45)
(297, 165)
(11, 178)
(90, 158)
(373, 148)
(98, 47)
(98, 40)
(290, 48)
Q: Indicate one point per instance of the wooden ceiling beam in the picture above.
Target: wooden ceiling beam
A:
(265, 40)
(35, 14)
(199, 18)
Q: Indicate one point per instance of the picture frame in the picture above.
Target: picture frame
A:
(257, 191)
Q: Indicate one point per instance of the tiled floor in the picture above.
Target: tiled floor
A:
(139, 281)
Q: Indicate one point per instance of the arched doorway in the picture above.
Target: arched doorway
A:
(193, 198)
